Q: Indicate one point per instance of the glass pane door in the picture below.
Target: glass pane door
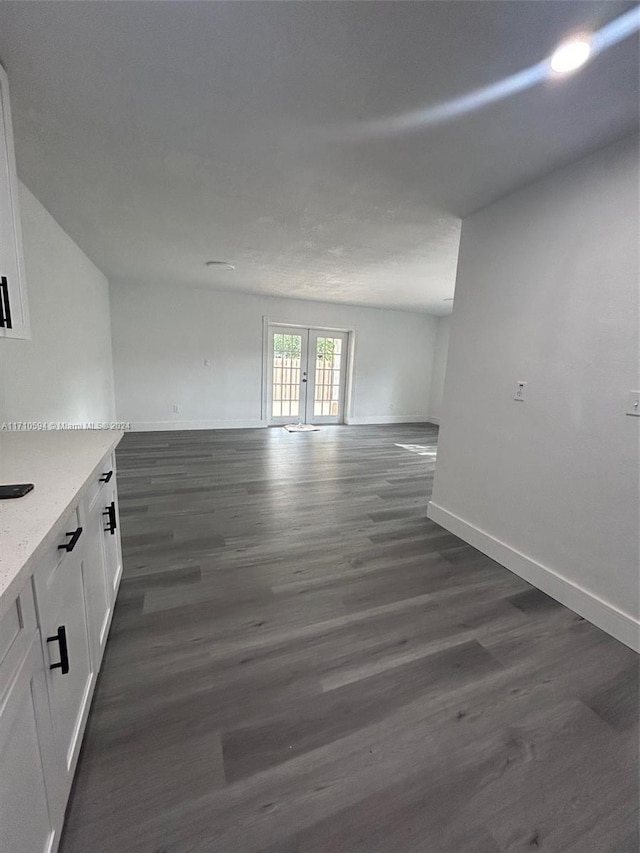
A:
(327, 362)
(307, 371)
(288, 374)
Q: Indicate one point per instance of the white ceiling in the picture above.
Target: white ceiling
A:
(164, 134)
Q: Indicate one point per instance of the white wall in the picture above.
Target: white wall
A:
(547, 292)
(161, 337)
(65, 372)
(439, 368)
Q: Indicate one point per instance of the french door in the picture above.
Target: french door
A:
(307, 375)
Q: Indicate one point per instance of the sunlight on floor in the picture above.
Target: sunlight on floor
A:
(421, 449)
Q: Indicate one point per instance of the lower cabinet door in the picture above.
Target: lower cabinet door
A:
(111, 541)
(30, 805)
(98, 590)
(60, 593)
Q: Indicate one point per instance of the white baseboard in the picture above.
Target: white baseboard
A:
(387, 419)
(623, 626)
(435, 421)
(151, 426)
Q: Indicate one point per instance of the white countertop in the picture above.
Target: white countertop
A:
(59, 464)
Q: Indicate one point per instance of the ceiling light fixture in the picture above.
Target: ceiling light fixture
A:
(571, 55)
(568, 57)
(221, 265)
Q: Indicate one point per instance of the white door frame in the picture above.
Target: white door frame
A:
(349, 384)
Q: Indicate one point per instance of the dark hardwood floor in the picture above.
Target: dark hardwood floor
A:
(301, 662)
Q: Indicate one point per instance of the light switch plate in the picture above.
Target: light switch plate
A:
(633, 406)
(518, 391)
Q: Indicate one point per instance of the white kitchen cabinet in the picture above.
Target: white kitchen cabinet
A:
(14, 310)
(98, 593)
(61, 586)
(112, 542)
(101, 523)
(27, 824)
(53, 628)
(31, 808)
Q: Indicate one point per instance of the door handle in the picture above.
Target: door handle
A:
(61, 638)
(106, 477)
(110, 512)
(5, 308)
(71, 544)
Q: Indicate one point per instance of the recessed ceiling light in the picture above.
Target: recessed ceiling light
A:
(221, 265)
(571, 55)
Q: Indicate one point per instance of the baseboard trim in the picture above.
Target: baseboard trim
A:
(387, 419)
(623, 626)
(152, 426)
(435, 421)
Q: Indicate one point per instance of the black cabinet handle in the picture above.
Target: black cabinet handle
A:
(5, 308)
(106, 477)
(110, 512)
(71, 544)
(61, 638)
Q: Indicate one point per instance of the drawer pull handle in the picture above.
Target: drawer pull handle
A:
(106, 477)
(110, 512)
(5, 308)
(71, 544)
(61, 638)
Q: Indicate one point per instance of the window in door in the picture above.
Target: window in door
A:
(286, 381)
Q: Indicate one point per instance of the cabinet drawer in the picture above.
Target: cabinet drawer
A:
(67, 539)
(62, 545)
(17, 627)
(106, 475)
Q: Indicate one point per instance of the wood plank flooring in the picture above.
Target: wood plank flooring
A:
(301, 662)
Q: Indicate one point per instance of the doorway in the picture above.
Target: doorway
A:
(306, 375)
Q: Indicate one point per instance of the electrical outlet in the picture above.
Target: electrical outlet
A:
(633, 404)
(176, 409)
(518, 392)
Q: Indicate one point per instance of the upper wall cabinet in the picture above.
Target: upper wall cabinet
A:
(14, 312)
